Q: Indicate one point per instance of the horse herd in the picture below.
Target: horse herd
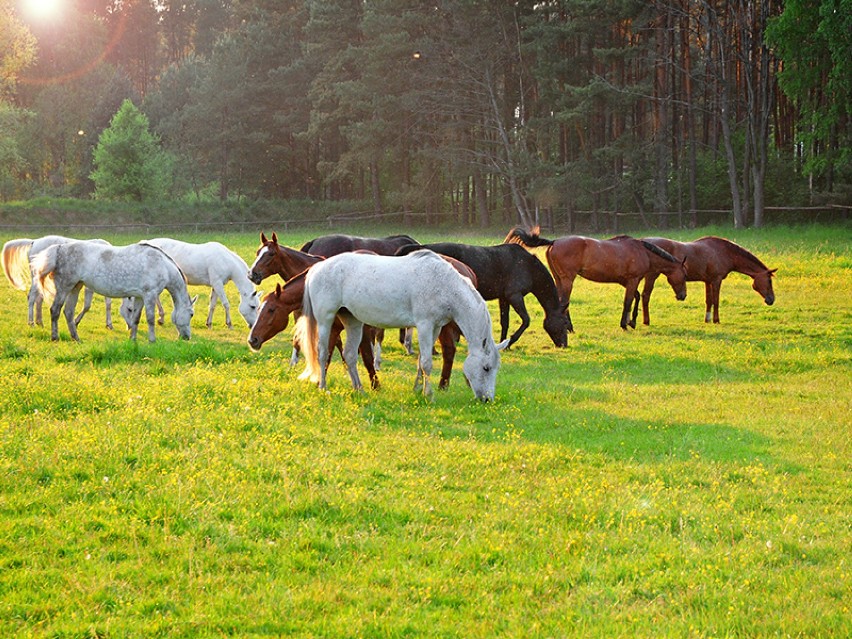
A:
(365, 285)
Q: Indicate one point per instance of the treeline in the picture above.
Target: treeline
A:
(462, 109)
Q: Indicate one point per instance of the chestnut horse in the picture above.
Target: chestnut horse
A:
(622, 260)
(710, 259)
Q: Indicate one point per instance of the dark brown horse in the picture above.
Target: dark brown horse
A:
(328, 245)
(623, 260)
(275, 310)
(710, 260)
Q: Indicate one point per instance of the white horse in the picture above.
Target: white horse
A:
(17, 255)
(212, 264)
(421, 290)
(140, 270)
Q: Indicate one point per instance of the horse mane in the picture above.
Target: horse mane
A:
(531, 238)
(168, 257)
(736, 248)
(658, 251)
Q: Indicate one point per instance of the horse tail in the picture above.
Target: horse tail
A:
(306, 335)
(658, 251)
(528, 239)
(16, 263)
(43, 265)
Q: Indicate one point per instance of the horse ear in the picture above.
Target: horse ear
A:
(274, 237)
(502, 346)
(277, 289)
(193, 300)
(772, 271)
(263, 239)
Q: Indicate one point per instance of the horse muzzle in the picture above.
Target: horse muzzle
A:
(254, 343)
(255, 278)
(769, 299)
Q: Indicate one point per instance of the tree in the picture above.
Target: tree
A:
(18, 48)
(129, 164)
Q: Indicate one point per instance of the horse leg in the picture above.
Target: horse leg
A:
(629, 292)
(635, 313)
(150, 301)
(378, 334)
(354, 334)
(323, 349)
(708, 301)
(87, 304)
(504, 320)
(365, 348)
(134, 317)
(407, 339)
(517, 303)
(716, 290)
(70, 306)
(448, 337)
(34, 301)
(425, 340)
(108, 307)
(161, 312)
(219, 290)
(564, 286)
(646, 297)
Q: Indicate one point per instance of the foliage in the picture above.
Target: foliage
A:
(128, 161)
(679, 480)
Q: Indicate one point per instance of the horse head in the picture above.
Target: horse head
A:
(265, 255)
(763, 285)
(273, 316)
(182, 315)
(481, 366)
(248, 307)
(557, 325)
(677, 279)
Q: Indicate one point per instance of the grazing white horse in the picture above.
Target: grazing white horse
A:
(140, 270)
(421, 290)
(17, 255)
(213, 264)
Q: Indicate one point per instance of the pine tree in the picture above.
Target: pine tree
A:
(129, 164)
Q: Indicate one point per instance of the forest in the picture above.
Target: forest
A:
(474, 111)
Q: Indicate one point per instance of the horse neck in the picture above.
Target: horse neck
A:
(544, 290)
(176, 287)
(294, 262)
(473, 324)
(745, 262)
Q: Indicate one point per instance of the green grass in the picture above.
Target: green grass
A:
(682, 479)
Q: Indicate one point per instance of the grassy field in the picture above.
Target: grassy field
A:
(679, 480)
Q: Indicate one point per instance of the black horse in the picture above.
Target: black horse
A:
(507, 274)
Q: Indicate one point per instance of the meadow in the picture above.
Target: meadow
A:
(680, 480)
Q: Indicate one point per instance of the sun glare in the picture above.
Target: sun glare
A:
(42, 9)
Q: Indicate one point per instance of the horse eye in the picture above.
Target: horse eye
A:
(486, 368)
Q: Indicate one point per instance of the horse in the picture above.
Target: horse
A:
(623, 260)
(710, 259)
(274, 258)
(328, 245)
(140, 270)
(212, 264)
(420, 289)
(17, 255)
(507, 273)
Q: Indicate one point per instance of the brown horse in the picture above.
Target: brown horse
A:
(710, 260)
(275, 310)
(623, 260)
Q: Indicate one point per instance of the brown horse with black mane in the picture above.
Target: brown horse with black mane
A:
(623, 260)
(710, 259)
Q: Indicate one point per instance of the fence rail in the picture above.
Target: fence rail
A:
(562, 220)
